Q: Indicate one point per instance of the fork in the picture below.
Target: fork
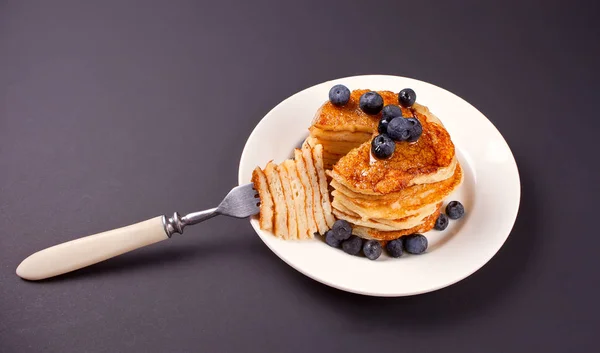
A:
(241, 202)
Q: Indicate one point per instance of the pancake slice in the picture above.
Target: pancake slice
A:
(318, 160)
(266, 200)
(280, 227)
(319, 216)
(289, 202)
(299, 197)
(308, 192)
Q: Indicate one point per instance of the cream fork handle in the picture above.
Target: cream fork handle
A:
(82, 252)
(240, 202)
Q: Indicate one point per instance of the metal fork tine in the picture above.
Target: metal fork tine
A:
(240, 202)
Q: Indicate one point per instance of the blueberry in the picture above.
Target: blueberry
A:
(382, 146)
(371, 103)
(416, 129)
(391, 111)
(399, 129)
(415, 244)
(407, 97)
(383, 124)
(372, 249)
(455, 210)
(342, 230)
(339, 95)
(352, 246)
(441, 222)
(388, 113)
(331, 240)
(394, 247)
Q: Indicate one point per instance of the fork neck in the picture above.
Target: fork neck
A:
(197, 217)
(176, 224)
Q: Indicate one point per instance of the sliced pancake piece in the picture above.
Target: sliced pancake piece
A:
(313, 141)
(265, 218)
(280, 227)
(319, 216)
(299, 198)
(350, 117)
(292, 220)
(370, 233)
(412, 200)
(308, 192)
(317, 153)
(340, 136)
(337, 148)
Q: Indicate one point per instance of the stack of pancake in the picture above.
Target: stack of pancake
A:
(294, 196)
(382, 199)
(386, 199)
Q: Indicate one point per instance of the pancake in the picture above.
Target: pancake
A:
(405, 203)
(317, 153)
(280, 227)
(302, 172)
(369, 233)
(266, 200)
(341, 129)
(350, 117)
(292, 218)
(314, 183)
(341, 184)
(299, 196)
(428, 160)
(388, 225)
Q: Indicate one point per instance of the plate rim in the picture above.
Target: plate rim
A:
(476, 268)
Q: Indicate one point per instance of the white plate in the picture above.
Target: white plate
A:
(490, 193)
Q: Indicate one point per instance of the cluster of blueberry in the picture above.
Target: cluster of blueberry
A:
(392, 126)
(340, 236)
(454, 210)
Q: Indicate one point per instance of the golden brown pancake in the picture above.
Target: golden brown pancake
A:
(350, 117)
(304, 178)
(299, 196)
(280, 227)
(292, 217)
(386, 224)
(341, 129)
(317, 153)
(411, 163)
(266, 200)
(425, 226)
(314, 183)
(402, 204)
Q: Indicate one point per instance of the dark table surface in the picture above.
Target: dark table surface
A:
(114, 112)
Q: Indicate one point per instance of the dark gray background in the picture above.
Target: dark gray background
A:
(115, 112)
